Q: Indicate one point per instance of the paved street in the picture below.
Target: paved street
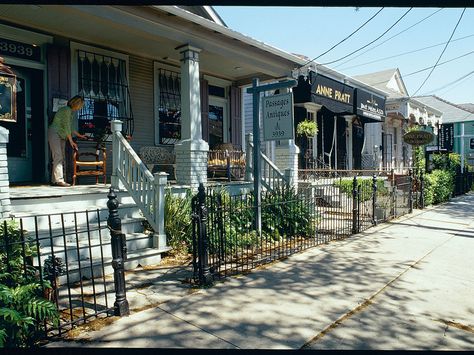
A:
(408, 284)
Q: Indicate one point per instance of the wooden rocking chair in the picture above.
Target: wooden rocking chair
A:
(90, 164)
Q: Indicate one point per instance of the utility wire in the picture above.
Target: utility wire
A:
(439, 58)
(368, 44)
(443, 92)
(465, 76)
(427, 68)
(447, 61)
(353, 33)
(405, 53)
(388, 39)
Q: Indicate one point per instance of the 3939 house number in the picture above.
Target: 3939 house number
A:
(19, 50)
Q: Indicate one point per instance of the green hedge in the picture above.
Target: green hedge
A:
(345, 185)
(438, 186)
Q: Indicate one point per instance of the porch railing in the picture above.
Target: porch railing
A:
(146, 189)
(271, 176)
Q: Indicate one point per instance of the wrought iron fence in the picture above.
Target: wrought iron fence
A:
(74, 257)
(327, 205)
(463, 182)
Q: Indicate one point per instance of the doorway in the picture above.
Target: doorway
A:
(26, 143)
(218, 125)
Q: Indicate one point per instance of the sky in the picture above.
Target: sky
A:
(311, 31)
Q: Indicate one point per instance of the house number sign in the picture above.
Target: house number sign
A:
(19, 50)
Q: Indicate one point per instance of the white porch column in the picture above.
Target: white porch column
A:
(286, 155)
(5, 204)
(191, 151)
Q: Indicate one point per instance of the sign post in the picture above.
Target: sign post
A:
(255, 90)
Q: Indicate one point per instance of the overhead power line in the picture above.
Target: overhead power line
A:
(388, 39)
(428, 68)
(406, 53)
(439, 58)
(446, 61)
(465, 76)
(368, 44)
(353, 33)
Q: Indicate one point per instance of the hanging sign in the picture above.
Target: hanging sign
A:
(418, 137)
(370, 105)
(7, 97)
(446, 137)
(278, 117)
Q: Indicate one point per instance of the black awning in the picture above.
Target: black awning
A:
(369, 105)
(332, 94)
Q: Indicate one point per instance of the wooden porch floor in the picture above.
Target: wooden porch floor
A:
(38, 191)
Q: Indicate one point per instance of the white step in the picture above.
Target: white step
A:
(149, 256)
(86, 249)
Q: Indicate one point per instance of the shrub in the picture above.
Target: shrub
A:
(16, 254)
(345, 185)
(439, 186)
(23, 310)
(178, 222)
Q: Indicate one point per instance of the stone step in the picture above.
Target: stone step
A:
(57, 236)
(95, 248)
(34, 205)
(149, 256)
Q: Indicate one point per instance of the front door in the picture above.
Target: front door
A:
(25, 148)
(217, 122)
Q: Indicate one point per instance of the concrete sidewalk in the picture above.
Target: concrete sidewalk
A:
(305, 299)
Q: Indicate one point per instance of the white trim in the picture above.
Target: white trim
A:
(242, 117)
(212, 80)
(20, 35)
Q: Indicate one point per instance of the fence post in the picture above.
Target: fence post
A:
(116, 126)
(205, 277)
(374, 199)
(394, 199)
(119, 254)
(354, 205)
(249, 157)
(422, 186)
(410, 191)
(159, 184)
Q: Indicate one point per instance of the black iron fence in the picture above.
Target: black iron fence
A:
(73, 257)
(463, 182)
(327, 205)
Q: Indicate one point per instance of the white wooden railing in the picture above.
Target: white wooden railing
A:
(146, 189)
(270, 175)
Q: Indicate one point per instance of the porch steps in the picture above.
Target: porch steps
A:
(58, 218)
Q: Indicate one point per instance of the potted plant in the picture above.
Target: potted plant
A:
(52, 269)
(308, 129)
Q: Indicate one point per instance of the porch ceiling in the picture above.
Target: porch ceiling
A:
(149, 32)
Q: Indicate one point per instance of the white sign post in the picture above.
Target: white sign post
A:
(278, 117)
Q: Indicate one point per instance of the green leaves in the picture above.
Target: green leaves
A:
(178, 223)
(307, 128)
(23, 310)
